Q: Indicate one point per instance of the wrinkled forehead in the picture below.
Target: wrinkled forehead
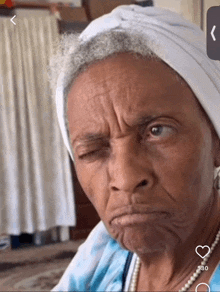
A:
(178, 43)
(133, 85)
(127, 72)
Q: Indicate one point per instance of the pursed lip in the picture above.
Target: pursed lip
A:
(137, 209)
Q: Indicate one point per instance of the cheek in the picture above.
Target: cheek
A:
(95, 185)
(185, 171)
(85, 177)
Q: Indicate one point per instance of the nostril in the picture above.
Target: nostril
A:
(114, 189)
(143, 183)
(128, 188)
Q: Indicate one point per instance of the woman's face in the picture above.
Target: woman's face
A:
(143, 151)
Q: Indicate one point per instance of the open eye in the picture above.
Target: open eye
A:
(160, 131)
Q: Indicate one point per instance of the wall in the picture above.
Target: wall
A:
(193, 10)
(190, 9)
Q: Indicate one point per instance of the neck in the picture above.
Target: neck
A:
(170, 268)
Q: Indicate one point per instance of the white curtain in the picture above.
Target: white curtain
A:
(36, 188)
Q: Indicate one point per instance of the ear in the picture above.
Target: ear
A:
(216, 150)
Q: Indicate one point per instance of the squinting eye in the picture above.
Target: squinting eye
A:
(160, 131)
(89, 154)
(95, 154)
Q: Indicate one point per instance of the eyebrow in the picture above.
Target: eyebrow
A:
(90, 137)
(145, 119)
(95, 137)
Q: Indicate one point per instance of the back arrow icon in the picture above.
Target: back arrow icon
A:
(212, 33)
(12, 20)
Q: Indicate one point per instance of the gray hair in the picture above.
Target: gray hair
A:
(74, 56)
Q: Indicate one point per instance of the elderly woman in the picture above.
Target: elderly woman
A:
(138, 106)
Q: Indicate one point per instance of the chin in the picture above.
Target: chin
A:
(143, 240)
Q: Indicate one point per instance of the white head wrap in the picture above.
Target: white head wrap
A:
(180, 44)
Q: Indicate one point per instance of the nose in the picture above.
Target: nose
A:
(129, 172)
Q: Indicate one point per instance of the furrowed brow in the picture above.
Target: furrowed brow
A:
(143, 120)
(98, 137)
(90, 137)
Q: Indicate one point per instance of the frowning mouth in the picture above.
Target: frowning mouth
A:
(130, 216)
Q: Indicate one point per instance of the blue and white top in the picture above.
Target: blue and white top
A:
(101, 264)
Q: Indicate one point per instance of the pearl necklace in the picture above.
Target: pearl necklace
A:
(192, 279)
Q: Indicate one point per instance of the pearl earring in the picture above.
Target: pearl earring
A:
(217, 181)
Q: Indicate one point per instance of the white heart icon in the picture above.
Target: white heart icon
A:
(205, 246)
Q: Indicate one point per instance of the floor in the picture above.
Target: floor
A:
(35, 268)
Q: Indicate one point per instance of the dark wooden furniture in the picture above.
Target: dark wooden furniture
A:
(87, 216)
